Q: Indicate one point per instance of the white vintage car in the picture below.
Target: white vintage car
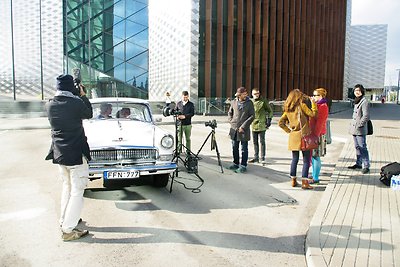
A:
(126, 144)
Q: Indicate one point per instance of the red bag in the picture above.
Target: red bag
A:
(309, 142)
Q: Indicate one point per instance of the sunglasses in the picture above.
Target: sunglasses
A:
(316, 95)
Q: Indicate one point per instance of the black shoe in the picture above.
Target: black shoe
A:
(355, 166)
(253, 160)
(365, 170)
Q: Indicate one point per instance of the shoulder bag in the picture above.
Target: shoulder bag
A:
(309, 141)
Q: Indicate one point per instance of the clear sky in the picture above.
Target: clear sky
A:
(382, 12)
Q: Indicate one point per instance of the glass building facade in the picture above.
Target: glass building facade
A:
(108, 41)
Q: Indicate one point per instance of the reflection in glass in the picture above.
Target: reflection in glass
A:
(111, 45)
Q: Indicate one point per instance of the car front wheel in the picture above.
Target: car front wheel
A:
(160, 180)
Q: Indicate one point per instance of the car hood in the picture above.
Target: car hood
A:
(112, 133)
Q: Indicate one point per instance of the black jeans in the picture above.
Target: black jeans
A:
(306, 163)
(256, 146)
(235, 152)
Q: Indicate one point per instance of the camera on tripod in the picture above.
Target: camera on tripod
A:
(212, 124)
(167, 111)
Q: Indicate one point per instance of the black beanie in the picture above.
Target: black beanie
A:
(65, 82)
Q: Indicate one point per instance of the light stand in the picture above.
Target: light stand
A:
(214, 144)
(190, 162)
(398, 86)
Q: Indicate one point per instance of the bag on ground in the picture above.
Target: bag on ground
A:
(388, 171)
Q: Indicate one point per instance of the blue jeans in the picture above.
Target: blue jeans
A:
(360, 143)
(245, 152)
(295, 160)
(256, 146)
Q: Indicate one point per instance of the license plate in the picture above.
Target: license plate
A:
(121, 174)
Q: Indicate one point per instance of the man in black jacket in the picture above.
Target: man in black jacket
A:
(70, 150)
(186, 108)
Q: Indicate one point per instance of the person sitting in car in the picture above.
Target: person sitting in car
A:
(105, 111)
(124, 113)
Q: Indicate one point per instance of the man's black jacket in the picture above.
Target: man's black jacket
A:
(187, 110)
(69, 141)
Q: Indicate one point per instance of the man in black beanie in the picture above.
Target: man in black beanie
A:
(70, 150)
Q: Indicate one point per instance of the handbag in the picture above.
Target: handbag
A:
(309, 141)
(370, 128)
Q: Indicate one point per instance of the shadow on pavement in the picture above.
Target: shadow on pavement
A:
(291, 244)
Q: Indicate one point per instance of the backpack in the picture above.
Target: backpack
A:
(388, 171)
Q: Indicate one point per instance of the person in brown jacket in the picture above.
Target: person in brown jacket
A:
(294, 121)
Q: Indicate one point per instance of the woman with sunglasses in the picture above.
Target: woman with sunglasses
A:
(318, 128)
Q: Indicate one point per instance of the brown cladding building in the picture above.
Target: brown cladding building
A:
(275, 45)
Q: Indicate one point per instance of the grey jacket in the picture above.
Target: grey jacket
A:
(240, 118)
(358, 124)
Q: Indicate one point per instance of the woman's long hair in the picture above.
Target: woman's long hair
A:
(293, 100)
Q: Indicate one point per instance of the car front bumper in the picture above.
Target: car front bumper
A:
(144, 170)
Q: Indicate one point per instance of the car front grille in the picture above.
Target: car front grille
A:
(124, 155)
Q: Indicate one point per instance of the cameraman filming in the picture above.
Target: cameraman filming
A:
(70, 150)
(185, 109)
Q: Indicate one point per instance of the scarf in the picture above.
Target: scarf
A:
(241, 104)
(66, 94)
(322, 101)
(358, 99)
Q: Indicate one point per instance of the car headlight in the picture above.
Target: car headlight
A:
(167, 141)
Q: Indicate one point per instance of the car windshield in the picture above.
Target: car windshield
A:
(121, 110)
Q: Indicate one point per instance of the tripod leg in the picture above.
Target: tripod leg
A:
(205, 141)
(218, 155)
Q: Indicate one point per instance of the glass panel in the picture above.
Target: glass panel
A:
(96, 31)
(133, 50)
(75, 15)
(119, 51)
(140, 17)
(142, 39)
(76, 34)
(142, 81)
(132, 73)
(97, 23)
(133, 7)
(119, 9)
(141, 60)
(119, 30)
(72, 4)
(133, 28)
(108, 3)
(110, 61)
(119, 72)
(98, 63)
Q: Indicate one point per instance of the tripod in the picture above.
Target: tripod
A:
(213, 146)
(190, 162)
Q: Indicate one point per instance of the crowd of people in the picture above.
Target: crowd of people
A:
(249, 118)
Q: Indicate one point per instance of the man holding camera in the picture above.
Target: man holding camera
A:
(240, 116)
(185, 109)
(262, 121)
(70, 150)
